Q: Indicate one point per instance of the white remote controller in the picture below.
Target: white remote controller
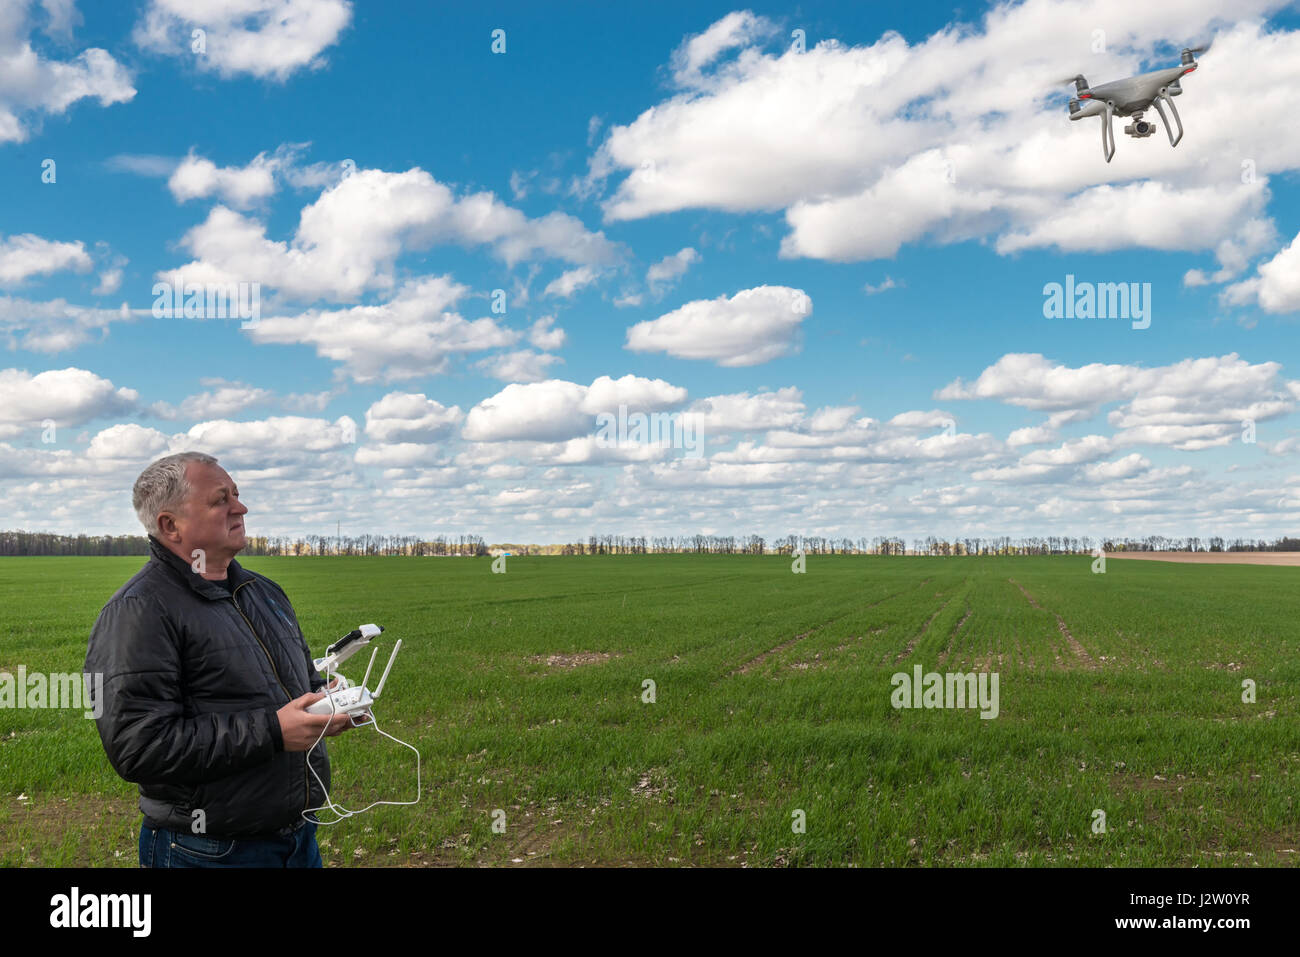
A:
(346, 698)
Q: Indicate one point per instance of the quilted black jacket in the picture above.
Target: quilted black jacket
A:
(193, 677)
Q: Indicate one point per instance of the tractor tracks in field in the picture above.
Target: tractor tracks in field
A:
(916, 640)
(753, 663)
(1085, 660)
(952, 637)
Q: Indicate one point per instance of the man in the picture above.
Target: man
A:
(206, 681)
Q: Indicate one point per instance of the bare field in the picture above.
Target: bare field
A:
(1215, 558)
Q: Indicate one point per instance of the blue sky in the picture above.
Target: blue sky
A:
(677, 178)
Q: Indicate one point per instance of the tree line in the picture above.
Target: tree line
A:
(47, 543)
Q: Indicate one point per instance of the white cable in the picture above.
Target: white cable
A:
(339, 809)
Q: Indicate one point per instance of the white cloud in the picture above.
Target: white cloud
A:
(412, 334)
(130, 442)
(55, 325)
(68, 397)
(222, 400)
(522, 365)
(544, 334)
(661, 276)
(871, 146)
(1189, 405)
(753, 326)
(1275, 287)
(411, 417)
(742, 412)
(739, 28)
(240, 186)
(570, 282)
(32, 84)
(27, 255)
(261, 38)
(110, 281)
(557, 411)
(547, 411)
(606, 394)
(348, 240)
(267, 442)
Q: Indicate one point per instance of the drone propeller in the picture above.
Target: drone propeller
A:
(1080, 83)
(1189, 53)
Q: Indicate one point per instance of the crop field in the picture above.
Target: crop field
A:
(684, 710)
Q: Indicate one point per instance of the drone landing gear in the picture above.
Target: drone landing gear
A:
(1164, 95)
(1108, 133)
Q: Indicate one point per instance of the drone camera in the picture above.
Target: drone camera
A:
(1140, 129)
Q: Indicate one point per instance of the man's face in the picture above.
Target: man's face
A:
(212, 518)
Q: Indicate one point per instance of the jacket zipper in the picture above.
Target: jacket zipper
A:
(305, 783)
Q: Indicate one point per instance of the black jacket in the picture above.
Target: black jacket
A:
(193, 677)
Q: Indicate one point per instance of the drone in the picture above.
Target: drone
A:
(1132, 97)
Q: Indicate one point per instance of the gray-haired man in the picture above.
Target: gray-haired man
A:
(206, 681)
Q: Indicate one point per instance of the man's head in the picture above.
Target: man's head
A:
(188, 502)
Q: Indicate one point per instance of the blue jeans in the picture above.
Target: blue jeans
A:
(164, 848)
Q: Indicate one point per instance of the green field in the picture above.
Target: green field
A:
(1119, 692)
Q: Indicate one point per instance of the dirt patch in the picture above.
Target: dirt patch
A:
(1214, 558)
(1155, 782)
(573, 661)
(1079, 651)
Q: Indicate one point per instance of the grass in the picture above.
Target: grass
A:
(1119, 692)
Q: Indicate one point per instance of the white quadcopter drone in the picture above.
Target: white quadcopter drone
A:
(1132, 97)
(356, 702)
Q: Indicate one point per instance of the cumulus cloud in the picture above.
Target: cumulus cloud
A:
(570, 282)
(32, 84)
(130, 442)
(1189, 405)
(240, 186)
(222, 399)
(544, 334)
(67, 397)
(411, 417)
(661, 276)
(743, 412)
(267, 442)
(261, 38)
(56, 325)
(881, 143)
(522, 365)
(1275, 287)
(348, 240)
(556, 410)
(751, 327)
(27, 255)
(412, 334)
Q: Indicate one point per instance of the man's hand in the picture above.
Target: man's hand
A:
(300, 728)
